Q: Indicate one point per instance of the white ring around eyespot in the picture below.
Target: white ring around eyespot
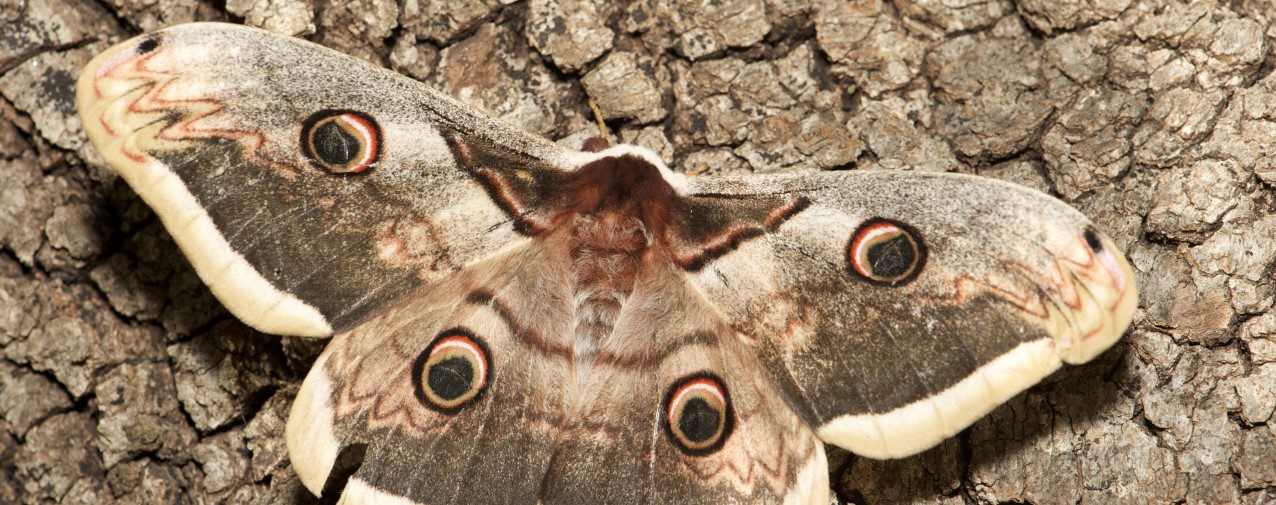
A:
(873, 232)
(464, 343)
(706, 384)
(369, 138)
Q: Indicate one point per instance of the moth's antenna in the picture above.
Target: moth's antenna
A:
(598, 143)
(598, 118)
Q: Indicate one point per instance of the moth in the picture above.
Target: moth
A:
(517, 322)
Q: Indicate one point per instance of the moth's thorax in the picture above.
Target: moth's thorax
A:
(624, 186)
(617, 204)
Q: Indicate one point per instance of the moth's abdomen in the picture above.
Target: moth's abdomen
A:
(605, 254)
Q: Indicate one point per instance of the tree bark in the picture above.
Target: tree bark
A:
(123, 381)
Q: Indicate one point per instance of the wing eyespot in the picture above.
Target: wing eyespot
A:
(698, 415)
(341, 141)
(452, 372)
(886, 252)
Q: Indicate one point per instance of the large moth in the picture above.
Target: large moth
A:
(516, 322)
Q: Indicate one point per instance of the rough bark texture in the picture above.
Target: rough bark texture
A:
(123, 381)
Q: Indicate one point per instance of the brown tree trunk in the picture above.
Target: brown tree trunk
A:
(123, 380)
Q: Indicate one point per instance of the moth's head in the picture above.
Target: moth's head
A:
(595, 152)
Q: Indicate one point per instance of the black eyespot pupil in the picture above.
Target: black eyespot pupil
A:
(147, 45)
(892, 258)
(1092, 240)
(699, 421)
(451, 378)
(333, 144)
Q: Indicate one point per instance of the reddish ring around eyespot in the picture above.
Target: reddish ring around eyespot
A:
(452, 372)
(341, 141)
(697, 414)
(886, 252)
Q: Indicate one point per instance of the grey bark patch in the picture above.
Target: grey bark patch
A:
(222, 373)
(223, 459)
(868, 44)
(1259, 336)
(1089, 144)
(22, 214)
(147, 481)
(27, 398)
(625, 88)
(144, 280)
(1051, 16)
(359, 26)
(150, 15)
(896, 140)
(651, 137)
(703, 29)
(441, 21)
(73, 228)
(413, 58)
(140, 414)
(571, 32)
(1191, 201)
(1177, 119)
(44, 88)
(68, 332)
(992, 92)
(37, 26)
(492, 71)
(264, 436)
(54, 460)
(1257, 462)
(960, 16)
(288, 17)
(1257, 395)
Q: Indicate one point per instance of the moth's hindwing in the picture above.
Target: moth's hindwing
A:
(464, 393)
